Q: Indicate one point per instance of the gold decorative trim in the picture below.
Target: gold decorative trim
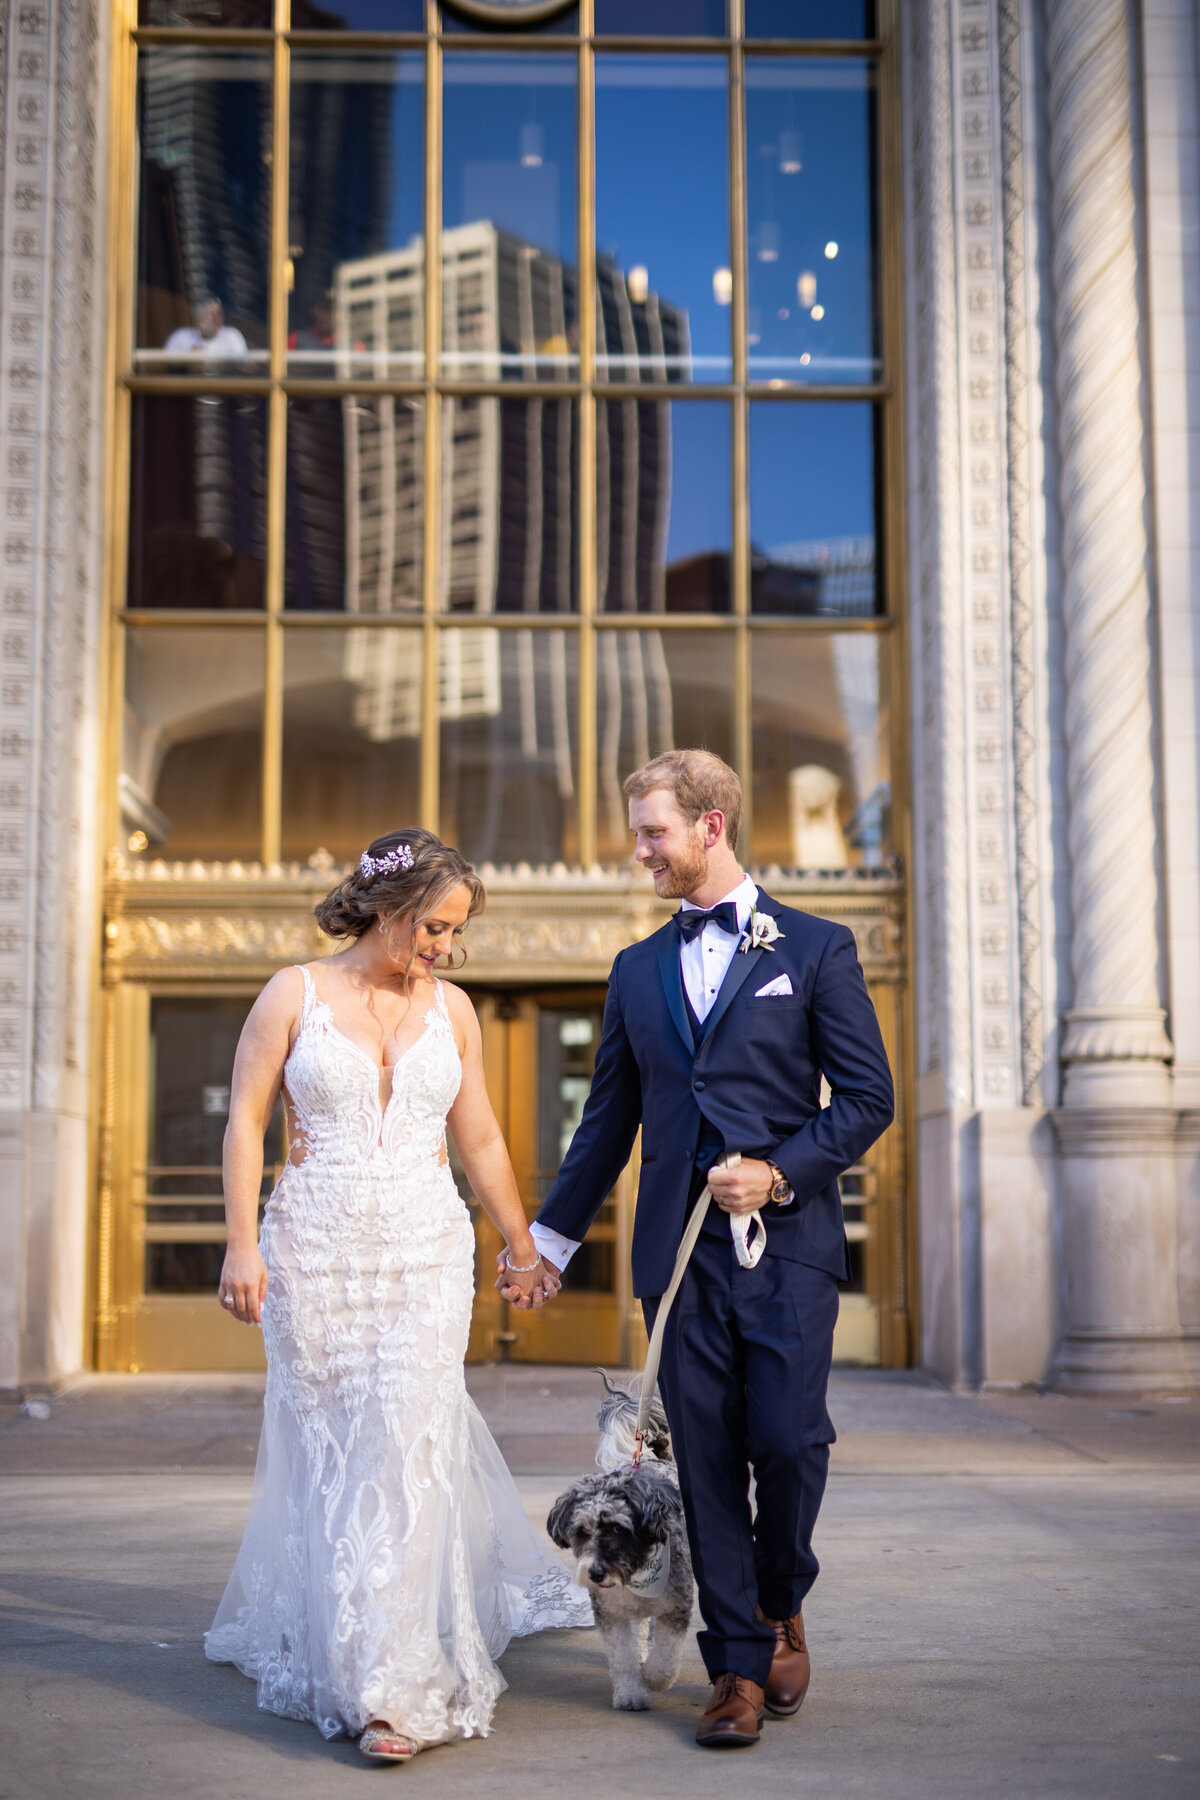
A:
(240, 922)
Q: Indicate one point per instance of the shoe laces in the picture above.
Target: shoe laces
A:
(789, 1633)
(726, 1687)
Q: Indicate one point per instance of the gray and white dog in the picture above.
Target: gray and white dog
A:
(626, 1531)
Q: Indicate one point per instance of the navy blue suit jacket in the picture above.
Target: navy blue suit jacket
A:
(756, 1078)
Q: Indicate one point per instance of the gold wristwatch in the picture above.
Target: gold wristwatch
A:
(781, 1187)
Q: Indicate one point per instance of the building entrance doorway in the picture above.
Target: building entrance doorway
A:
(163, 1258)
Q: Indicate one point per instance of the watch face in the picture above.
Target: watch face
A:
(508, 12)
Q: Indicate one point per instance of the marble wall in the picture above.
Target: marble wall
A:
(53, 292)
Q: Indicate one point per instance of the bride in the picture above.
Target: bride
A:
(387, 1560)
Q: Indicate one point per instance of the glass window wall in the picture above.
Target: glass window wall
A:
(822, 772)
(509, 278)
(197, 502)
(507, 711)
(656, 691)
(204, 210)
(191, 760)
(810, 19)
(664, 528)
(355, 242)
(355, 504)
(813, 509)
(810, 145)
(663, 277)
(351, 738)
(339, 448)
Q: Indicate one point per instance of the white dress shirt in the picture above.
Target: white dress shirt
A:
(704, 964)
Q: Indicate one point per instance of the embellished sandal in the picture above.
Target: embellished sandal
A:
(382, 1743)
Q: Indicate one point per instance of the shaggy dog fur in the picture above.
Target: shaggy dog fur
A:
(622, 1527)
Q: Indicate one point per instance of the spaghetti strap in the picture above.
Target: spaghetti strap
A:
(310, 986)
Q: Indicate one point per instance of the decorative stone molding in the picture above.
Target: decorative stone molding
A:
(1116, 1028)
(1014, 102)
(185, 922)
(971, 1026)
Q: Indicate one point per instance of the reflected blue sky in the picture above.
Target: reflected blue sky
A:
(700, 478)
(662, 184)
(808, 168)
(811, 472)
(509, 146)
(661, 18)
(809, 18)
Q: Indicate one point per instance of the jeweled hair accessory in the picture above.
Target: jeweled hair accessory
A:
(399, 858)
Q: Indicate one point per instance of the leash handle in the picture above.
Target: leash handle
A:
(687, 1244)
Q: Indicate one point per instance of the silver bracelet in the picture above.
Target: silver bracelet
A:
(514, 1269)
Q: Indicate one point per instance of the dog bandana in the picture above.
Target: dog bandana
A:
(650, 1582)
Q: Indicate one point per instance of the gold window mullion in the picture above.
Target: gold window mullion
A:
(281, 280)
(431, 566)
(586, 158)
(740, 583)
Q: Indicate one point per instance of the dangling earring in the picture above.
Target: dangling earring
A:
(382, 927)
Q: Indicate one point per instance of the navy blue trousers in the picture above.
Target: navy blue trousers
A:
(745, 1366)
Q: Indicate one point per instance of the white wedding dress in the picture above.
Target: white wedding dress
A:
(388, 1559)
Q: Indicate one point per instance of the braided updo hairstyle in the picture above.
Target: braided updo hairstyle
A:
(359, 901)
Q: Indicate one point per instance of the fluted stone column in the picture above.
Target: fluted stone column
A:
(1116, 1124)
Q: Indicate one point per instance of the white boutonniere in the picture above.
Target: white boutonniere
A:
(760, 933)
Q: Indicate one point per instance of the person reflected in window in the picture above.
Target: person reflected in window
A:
(208, 335)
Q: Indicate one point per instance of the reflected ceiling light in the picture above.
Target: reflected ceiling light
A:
(806, 289)
(138, 841)
(638, 283)
(818, 313)
(776, 381)
(783, 313)
(533, 146)
(722, 286)
(790, 161)
(831, 249)
(768, 242)
(805, 360)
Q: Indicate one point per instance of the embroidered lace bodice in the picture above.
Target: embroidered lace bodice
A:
(387, 1559)
(339, 1121)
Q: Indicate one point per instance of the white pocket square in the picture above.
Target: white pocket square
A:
(780, 985)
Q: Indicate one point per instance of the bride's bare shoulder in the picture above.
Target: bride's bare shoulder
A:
(281, 1000)
(461, 1008)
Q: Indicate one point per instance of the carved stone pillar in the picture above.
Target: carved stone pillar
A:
(1116, 1125)
(1116, 1047)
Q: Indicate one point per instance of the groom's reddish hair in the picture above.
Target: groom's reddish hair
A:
(697, 781)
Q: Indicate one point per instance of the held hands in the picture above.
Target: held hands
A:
(744, 1188)
(243, 1285)
(526, 1289)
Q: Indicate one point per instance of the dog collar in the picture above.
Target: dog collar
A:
(651, 1580)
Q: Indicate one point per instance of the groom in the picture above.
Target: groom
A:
(710, 1052)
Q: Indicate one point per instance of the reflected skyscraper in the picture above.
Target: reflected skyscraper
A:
(508, 516)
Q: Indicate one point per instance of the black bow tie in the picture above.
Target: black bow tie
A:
(692, 922)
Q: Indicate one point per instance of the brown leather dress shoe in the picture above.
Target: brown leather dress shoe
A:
(791, 1670)
(734, 1714)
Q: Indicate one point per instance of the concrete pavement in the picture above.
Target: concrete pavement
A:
(1008, 1606)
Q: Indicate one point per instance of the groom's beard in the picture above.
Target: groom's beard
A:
(683, 875)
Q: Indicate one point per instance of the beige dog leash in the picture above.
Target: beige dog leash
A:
(747, 1255)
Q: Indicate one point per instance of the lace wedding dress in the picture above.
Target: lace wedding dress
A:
(388, 1559)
